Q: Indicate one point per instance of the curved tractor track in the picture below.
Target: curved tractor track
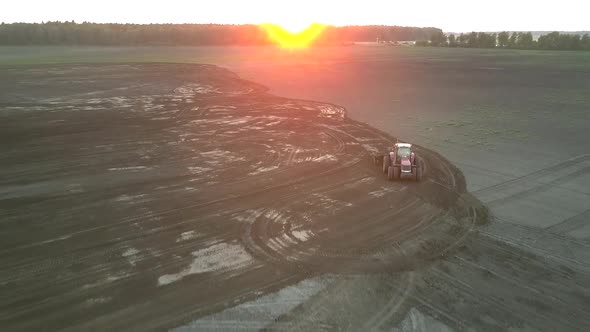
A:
(148, 195)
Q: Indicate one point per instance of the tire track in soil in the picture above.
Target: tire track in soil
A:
(305, 317)
(538, 188)
(483, 193)
(570, 224)
(511, 276)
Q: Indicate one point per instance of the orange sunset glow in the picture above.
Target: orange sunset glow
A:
(292, 38)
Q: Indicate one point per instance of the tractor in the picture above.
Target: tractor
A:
(400, 162)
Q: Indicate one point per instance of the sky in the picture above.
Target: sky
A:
(450, 15)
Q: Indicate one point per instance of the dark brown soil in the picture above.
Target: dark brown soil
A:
(118, 178)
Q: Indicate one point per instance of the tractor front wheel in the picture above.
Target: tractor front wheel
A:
(385, 164)
(390, 173)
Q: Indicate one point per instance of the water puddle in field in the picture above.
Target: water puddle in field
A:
(186, 236)
(264, 170)
(257, 314)
(218, 257)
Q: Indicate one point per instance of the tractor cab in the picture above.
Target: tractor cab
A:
(402, 151)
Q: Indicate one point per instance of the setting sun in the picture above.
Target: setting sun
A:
(293, 35)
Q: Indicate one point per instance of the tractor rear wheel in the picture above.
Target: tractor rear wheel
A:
(418, 173)
(396, 172)
(385, 164)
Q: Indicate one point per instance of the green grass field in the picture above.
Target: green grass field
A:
(28, 55)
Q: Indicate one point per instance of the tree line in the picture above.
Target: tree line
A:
(372, 33)
(514, 40)
(71, 33)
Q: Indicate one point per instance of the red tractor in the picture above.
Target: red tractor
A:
(401, 162)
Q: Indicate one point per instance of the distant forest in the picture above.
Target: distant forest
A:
(71, 33)
(515, 40)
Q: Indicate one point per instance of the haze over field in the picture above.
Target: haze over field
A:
(162, 176)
